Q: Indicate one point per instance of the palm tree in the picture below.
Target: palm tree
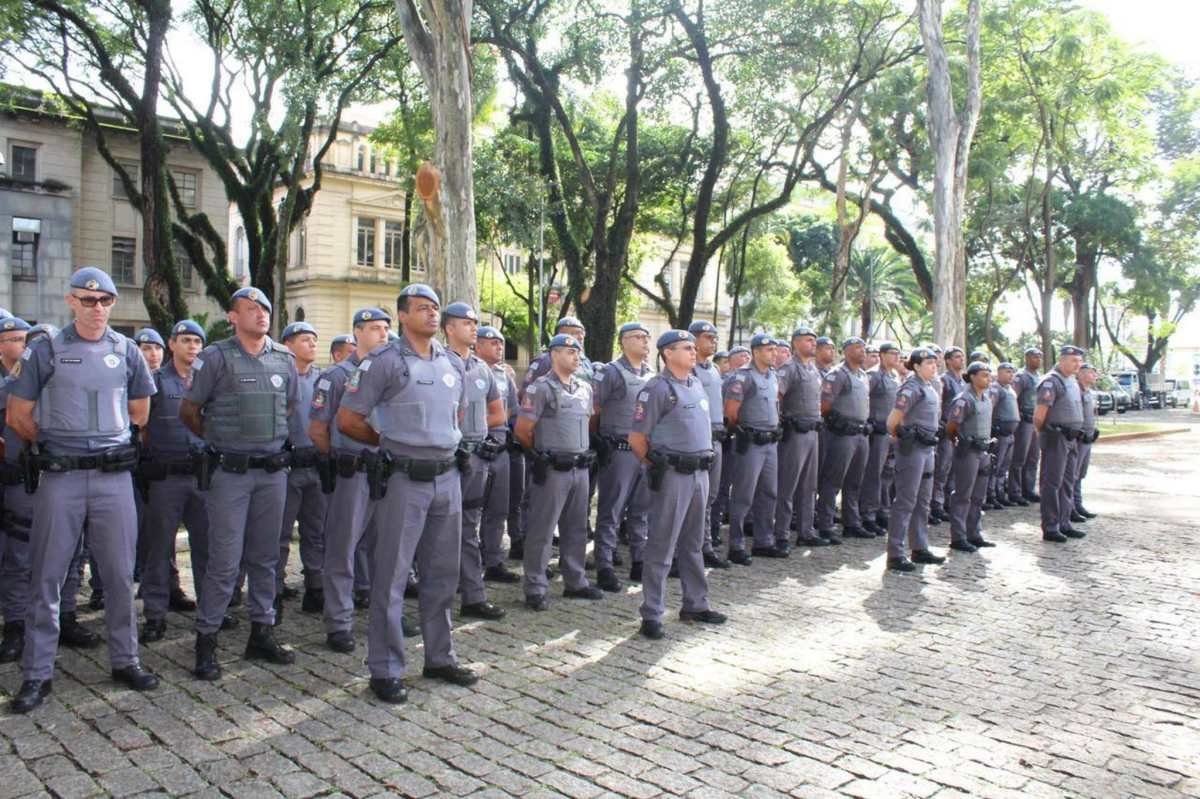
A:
(882, 286)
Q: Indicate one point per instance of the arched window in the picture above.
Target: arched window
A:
(299, 313)
(362, 158)
(239, 253)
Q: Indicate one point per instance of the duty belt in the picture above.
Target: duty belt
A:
(566, 461)
(688, 464)
(617, 443)
(420, 471)
(155, 469)
(304, 457)
(1004, 428)
(10, 474)
(114, 459)
(488, 449)
(762, 437)
(1069, 433)
(719, 434)
(799, 424)
(240, 463)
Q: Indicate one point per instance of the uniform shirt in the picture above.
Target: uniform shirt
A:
(963, 409)
(1024, 383)
(209, 368)
(656, 400)
(474, 369)
(327, 396)
(952, 386)
(170, 387)
(836, 382)
(1052, 391)
(538, 397)
(541, 366)
(742, 388)
(12, 442)
(37, 367)
(506, 386)
(298, 419)
(910, 398)
(792, 375)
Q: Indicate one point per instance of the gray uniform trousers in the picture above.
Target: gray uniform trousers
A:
(998, 479)
(1023, 471)
(971, 471)
(874, 496)
(1056, 451)
(304, 504)
(172, 500)
(678, 511)
(714, 485)
(844, 465)
(622, 494)
(943, 473)
(754, 490)
(562, 500)
(63, 502)
(517, 488)
(1066, 491)
(349, 524)
(720, 506)
(798, 455)
(495, 510)
(909, 516)
(15, 564)
(244, 514)
(1083, 458)
(470, 563)
(422, 522)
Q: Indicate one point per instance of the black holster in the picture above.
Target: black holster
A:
(742, 441)
(908, 436)
(204, 461)
(31, 473)
(327, 472)
(603, 450)
(541, 468)
(462, 459)
(657, 470)
(377, 466)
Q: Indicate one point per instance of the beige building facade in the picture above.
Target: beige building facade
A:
(62, 207)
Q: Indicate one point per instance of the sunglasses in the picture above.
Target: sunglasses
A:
(20, 340)
(92, 302)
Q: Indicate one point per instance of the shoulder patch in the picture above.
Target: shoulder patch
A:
(365, 365)
(323, 383)
(643, 396)
(531, 390)
(198, 364)
(26, 354)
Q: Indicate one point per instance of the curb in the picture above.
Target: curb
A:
(1116, 438)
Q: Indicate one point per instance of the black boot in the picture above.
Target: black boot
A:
(73, 634)
(314, 601)
(206, 658)
(31, 695)
(278, 610)
(180, 602)
(14, 642)
(263, 646)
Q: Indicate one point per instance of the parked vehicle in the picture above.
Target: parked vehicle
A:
(1146, 389)
(1112, 396)
(1104, 401)
(1179, 393)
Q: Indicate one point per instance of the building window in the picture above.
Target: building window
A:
(512, 263)
(118, 189)
(239, 253)
(417, 267)
(300, 245)
(393, 244)
(362, 158)
(24, 163)
(183, 262)
(124, 251)
(366, 241)
(669, 278)
(374, 161)
(25, 236)
(299, 313)
(387, 168)
(187, 184)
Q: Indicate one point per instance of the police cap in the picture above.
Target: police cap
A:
(761, 340)
(563, 340)
(364, 315)
(9, 324)
(296, 328)
(93, 278)
(702, 326)
(43, 329)
(802, 331)
(489, 332)
(420, 290)
(253, 294)
(632, 327)
(1071, 349)
(1032, 351)
(148, 335)
(568, 321)
(953, 350)
(850, 342)
(740, 348)
(188, 327)
(888, 346)
(722, 355)
(459, 310)
(978, 366)
(1006, 365)
(824, 341)
(674, 337)
(4, 313)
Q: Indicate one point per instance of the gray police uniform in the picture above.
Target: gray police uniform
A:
(417, 402)
(849, 392)
(561, 414)
(674, 415)
(710, 380)
(972, 464)
(1083, 457)
(245, 399)
(497, 497)
(921, 405)
(622, 491)
(720, 509)
(173, 495)
(943, 478)
(755, 470)
(800, 407)
(1005, 421)
(350, 513)
(480, 388)
(874, 497)
(1057, 440)
(305, 502)
(82, 389)
(517, 479)
(1023, 473)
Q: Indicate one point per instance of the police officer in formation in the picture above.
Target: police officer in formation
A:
(672, 435)
(400, 457)
(1023, 473)
(622, 492)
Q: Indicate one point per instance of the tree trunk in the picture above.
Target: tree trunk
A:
(438, 37)
(950, 134)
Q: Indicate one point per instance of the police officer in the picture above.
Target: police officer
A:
(485, 410)
(1059, 422)
(75, 398)
(739, 356)
(1023, 473)
(16, 507)
(152, 346)
(709, 375)
(846, 406)
(913, 426)
(1087, 379)
(350, 514)
(825, 355)
(169, 471)
(721, 361)
(1005, 420)
(306, 502)
(243, 389)
(969, 427)
(622, 492)
(952, 385)
(800, 409)
(672, 433)
(490, 348)
(553, 425)
(874, 499)
(872, 359)
(542, 364)
(341, 347)
(414, 391)
(752, 408)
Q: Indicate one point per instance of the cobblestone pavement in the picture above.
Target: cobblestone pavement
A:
(1031, 670)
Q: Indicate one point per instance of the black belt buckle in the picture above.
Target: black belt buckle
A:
(276, 462)
(423, 471)
(235, 462)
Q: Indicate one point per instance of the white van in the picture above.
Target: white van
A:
(1179, 392)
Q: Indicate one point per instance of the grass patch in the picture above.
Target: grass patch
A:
(1108, 428)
